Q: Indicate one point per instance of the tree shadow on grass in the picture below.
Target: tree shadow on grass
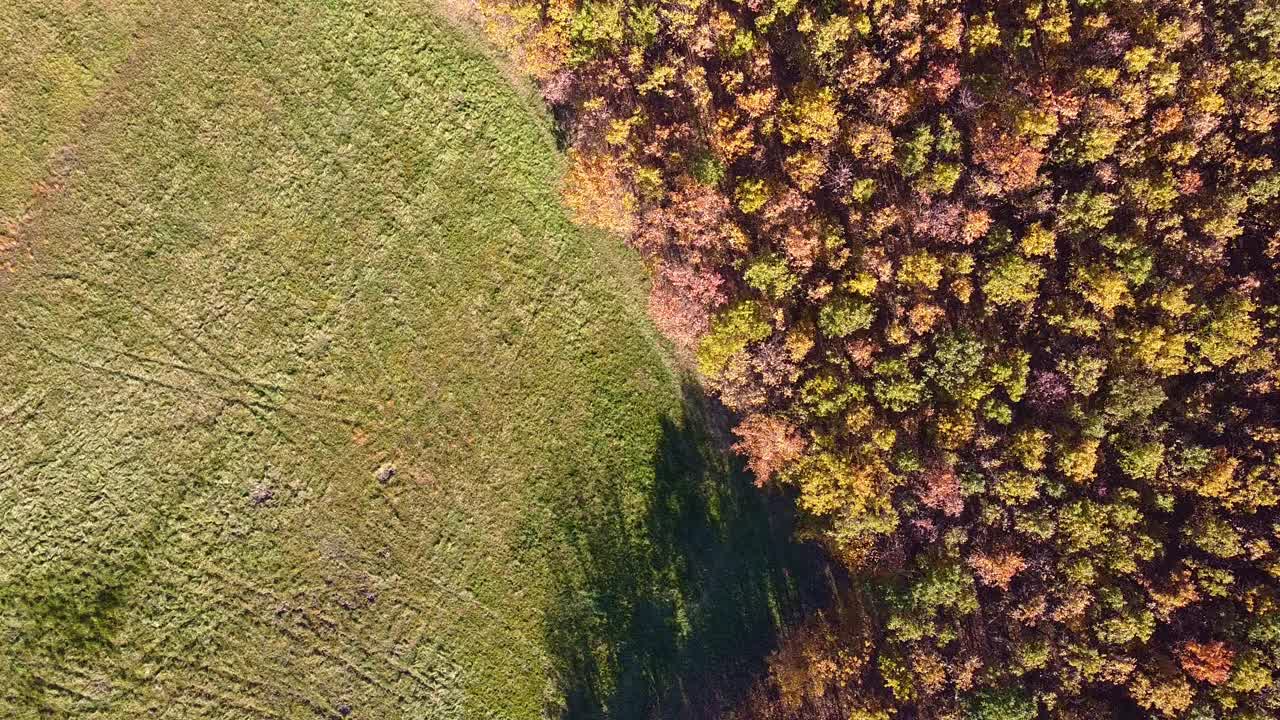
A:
(670, 610)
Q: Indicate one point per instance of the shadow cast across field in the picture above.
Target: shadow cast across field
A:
(671, 610)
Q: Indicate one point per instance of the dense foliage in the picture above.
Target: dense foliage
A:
(994, 286)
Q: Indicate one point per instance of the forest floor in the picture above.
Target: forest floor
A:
(314, 404)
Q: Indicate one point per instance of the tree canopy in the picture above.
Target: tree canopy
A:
(995, 286)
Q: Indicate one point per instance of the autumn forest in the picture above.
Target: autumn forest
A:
(992, 289)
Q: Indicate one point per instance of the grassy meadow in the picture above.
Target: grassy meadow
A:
(314, 404)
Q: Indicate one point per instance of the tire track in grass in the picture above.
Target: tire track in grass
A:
(256, 407)
(31, 397)
(261, 388)
(281, 391)
(244, 586)
(305, 635)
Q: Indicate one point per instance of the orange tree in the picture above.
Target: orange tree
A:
(994, 286)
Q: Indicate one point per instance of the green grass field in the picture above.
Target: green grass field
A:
(254, 255)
